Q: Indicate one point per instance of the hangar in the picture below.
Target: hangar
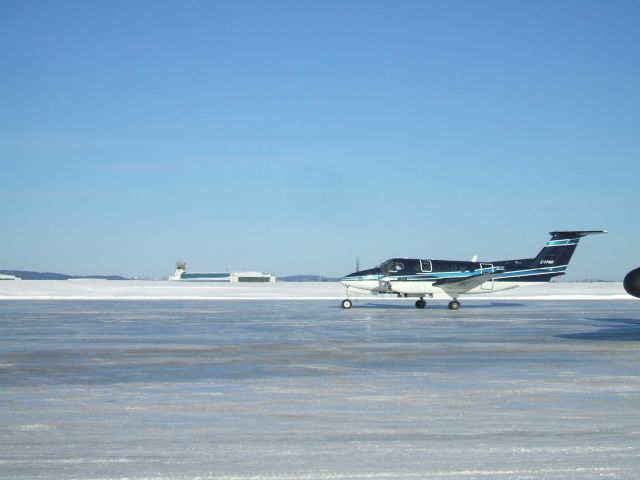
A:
(181, 275)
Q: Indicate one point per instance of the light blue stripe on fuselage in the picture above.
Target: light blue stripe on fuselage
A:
(562, 243)
(533, 271)
(365, 277)
(512, 273)
(421, 277)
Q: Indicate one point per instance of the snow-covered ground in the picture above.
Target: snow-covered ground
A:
(277, 389)
(143, 290)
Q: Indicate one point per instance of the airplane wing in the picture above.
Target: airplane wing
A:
(457, 286)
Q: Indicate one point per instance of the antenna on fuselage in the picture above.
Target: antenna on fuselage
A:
(475, 258)
(357, 264)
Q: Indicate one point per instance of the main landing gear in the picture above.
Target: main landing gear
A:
(420, 304)
(454, 304)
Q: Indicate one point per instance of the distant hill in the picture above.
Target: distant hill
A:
(307, 278)
(28, 275)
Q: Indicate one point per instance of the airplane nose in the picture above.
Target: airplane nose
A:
(348, 280)
(362, 280)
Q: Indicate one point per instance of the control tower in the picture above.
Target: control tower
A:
(181, 268)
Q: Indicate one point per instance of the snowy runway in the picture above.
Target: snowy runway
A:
(164, 290)
(288, 389)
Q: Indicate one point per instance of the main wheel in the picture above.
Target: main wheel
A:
(454, 305)
(346, 304)
(421, 303)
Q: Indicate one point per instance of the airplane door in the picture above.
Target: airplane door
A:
(486, 268)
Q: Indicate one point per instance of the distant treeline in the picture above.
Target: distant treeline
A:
(28, 275)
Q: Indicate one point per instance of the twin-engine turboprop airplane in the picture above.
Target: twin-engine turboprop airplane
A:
(412, 277)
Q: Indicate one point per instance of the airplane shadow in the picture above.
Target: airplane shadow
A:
(431, 306)
(628, 332)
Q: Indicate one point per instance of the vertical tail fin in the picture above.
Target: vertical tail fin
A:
(558, 251)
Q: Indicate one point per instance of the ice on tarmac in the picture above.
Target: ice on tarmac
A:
(153, 290)
(288, 386)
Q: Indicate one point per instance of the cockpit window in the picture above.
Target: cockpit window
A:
(387, 265)
(391, 266)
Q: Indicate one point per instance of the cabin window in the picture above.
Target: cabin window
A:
(425, 265)
(452, 267)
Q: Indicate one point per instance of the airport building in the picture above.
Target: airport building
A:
(9, 277)
(181, 275)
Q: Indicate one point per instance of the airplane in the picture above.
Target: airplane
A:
(414, 277)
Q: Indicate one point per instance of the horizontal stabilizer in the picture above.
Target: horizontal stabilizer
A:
(565, 235)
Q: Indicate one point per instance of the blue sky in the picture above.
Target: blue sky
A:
(293, 137)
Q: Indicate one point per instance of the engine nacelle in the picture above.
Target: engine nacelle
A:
(632, 282)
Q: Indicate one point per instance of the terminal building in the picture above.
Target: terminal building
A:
(9, 277)
(181, 275)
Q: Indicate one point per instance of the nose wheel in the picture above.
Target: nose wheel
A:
(346, 303)
(421, 303)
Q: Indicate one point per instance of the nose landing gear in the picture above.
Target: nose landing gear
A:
(346, 303)
(421, 303)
